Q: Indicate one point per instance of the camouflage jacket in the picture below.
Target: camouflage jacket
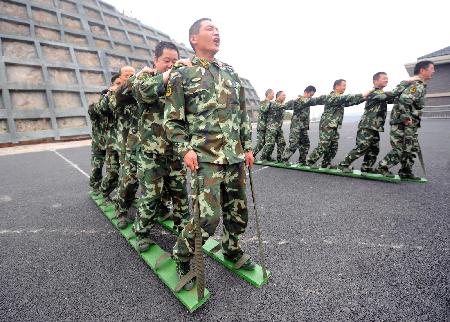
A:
(410, 102)
(99, 126)
(127, 115)
(301, 107)
(149, 93)
(205, 111)
(375, 110)
(275, 114)
(333, 112)
(262, 115)
(104, 108)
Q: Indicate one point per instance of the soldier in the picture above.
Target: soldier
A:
(330, 121)
(298, 136)
(98, 146)
(127, 121)
(371, 124)
(206, 119)
(159, 165)
(262, 121)
(274, 132)
(104, 107)
(405, 121)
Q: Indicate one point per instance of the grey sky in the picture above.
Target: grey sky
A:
(288, 44)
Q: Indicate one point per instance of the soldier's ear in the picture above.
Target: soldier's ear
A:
(193, 40)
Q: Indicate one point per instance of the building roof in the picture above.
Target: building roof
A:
(441, 52)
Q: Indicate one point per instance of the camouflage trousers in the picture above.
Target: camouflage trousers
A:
(111, 178)
(222, 193)
(157, 173)
(98, 154)
(260, 141)
(128, 182)
(298, 139)
(273, 136)
(327, 148)
(404, 146)
(367, 145)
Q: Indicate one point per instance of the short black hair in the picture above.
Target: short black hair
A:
(195, 28)
(279, 93)
(114, 77)
(310, 89)
(159, 49)
(422, 64)
(377, 76)
(268, 91)
(338, 82)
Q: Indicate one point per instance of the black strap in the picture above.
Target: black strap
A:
(167, 216)
(216, 248)
(244, 258)
(184, 280)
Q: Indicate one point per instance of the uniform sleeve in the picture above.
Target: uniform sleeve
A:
(147, 89)
(413, 99)
(413, 95)
(175, 115)
(290, 105)
(349, 100)
(263, 108)
(319, 100)
(380, 96)
(91, 111)
(102, 106)
(245, 126)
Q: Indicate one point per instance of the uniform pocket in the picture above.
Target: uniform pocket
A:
(232, 89)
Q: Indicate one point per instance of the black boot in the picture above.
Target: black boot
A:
(123, 220)
(384, 171)
(249, 265)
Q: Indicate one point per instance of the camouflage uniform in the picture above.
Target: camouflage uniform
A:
(298, 136)
(330, 121)
(369, 128)
(98, 147)
(159, 166)
(104, 108)
(404, 139)
(261, 126)
(205, 112)
(127, 114)
(274, 131)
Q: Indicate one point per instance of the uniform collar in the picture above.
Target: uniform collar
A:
(206, 63)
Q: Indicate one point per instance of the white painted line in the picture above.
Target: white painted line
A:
(71, 163)
(261, 168)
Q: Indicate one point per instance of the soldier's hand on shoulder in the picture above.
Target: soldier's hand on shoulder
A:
(112, 89)
(365, 94)
(146, 71)
(407, 121)
(184, 62)
(412, 79)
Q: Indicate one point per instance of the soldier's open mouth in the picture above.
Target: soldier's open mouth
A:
(217, 41)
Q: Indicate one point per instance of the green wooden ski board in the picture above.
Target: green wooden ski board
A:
(354, 174)
(421, 180)
(254, 277)
(166, 272)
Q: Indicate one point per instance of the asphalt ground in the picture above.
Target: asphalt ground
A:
(339, 248)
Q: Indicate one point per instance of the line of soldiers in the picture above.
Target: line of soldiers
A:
(408, 99)
(151, 125)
